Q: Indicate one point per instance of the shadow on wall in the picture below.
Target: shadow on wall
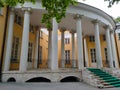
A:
(38, 79)
(70, 79)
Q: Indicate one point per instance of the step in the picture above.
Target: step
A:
(99, 72)
(105, 78)
(93, 69)
(117, 85)
(108, 86)
(115, 82)
(102, 74)
(111, 80)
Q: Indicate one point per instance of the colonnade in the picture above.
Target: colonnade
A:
(53, 44)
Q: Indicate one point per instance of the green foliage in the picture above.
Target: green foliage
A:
(117, 20)
(55, 8)
(13, 3)
(112, 2)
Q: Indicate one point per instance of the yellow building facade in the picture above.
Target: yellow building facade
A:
(43, 42)
(72, 49)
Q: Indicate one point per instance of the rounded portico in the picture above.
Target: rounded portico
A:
(86, 25)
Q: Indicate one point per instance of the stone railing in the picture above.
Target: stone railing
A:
(90, 79)
(113, 71)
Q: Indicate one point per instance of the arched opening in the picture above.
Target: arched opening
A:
(38, 79)
(70, 79)
(11, 80)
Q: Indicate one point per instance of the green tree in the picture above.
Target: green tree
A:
(117, 20)
(55, 8)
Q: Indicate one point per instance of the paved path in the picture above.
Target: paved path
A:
(49, 86)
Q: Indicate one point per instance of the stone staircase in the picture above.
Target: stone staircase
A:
(105, 79)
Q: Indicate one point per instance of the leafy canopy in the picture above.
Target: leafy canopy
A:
(55, 8)
(117, 20)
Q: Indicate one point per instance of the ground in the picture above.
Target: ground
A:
(49, 86)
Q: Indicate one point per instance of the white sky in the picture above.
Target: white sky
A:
(114, 11)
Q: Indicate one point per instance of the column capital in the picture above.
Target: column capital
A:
(78, 16)
(50, 29)
(29, 9)
(95, 21)
(63, 29)
(106, 27)
(72, 31)
(37, 27)
(111, 31)
(12, 9)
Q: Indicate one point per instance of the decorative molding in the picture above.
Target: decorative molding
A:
(63, 29)
(29, 9)
(95, 21)
(72, 31)
(106, 27)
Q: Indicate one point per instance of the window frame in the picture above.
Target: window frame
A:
(40, 54)
(67, 40)
(31, 29)
(30, 52)
(91, 38)
(104, 38)
(93, 55)
(18, 19)
(118, 36)
(15, 49)
(106, 55)
(67, 56)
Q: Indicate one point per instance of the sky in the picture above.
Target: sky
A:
(114, 11)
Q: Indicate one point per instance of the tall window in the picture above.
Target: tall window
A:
(104, 38)
(91, 38)
(40, 55)
(31, 29)
(119, 36)
(18, 19)
(15, 49)
(93, 55)
(67, 40)
(30, 52)
(67, 56)
(106, 57)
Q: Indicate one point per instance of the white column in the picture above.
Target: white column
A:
(97, 44)
(73, 49)
(9, 41)
(109, 50)
(79, 41)
(36, 49)
(62, 49)
(25, 41)
(114, 53)
(86, 52)
(54, 60)
(49, 48)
